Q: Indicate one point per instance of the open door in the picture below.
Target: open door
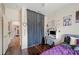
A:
(10, 41)
(0, 35)
(6, 39)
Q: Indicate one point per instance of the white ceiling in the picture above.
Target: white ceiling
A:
(48, 8)
(51, 8)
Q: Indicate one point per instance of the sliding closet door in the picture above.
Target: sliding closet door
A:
(35, 28)
(40, 28)
(30, 26)
(38, 40)
(34, 19)
(42, 25)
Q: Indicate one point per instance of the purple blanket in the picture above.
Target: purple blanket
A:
(63, 49)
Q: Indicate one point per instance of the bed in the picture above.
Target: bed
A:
(63, 49)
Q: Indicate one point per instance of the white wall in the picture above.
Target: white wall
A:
(12, 10)
(35, 7)
(65, 11)
(10, 14)
(24, 28)
(0, 29)
(38, 7)
(0, 35)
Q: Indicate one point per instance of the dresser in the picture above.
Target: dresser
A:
(50, 39)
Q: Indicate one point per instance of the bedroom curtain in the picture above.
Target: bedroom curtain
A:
(35, 27)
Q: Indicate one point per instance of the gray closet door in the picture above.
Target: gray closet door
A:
(38, 29)
(42, 25)
(30, 31)
(35, 28)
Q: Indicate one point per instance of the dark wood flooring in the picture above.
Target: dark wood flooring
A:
(14, 47)
(36, 50)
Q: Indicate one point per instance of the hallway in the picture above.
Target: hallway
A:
(14, 47)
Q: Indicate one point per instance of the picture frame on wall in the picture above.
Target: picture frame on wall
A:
(77, 16)
(67, 20)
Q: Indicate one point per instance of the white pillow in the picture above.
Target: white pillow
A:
(73, 41)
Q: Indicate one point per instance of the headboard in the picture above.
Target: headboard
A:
(67, 39)
(74, 39)
(72, 35)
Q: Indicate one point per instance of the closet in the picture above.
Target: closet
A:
(35, 27)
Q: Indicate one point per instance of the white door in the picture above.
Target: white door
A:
(6, 39)
(0, 36)
(10, 15)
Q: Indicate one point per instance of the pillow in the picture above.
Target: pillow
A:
(77, 46)
(67, 39)
(73, 41)
(77, 41)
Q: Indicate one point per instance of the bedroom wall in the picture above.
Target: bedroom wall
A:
(65, 11)
(13, 12)
(0, 30)
(35, 7)
(57, 18)
(0, 36)
(10, 14)
(23, 16)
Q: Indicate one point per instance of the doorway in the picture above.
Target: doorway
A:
(12, 31)
(14, 47)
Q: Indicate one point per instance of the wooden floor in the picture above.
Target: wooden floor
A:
(37, 50)
(14, 47)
